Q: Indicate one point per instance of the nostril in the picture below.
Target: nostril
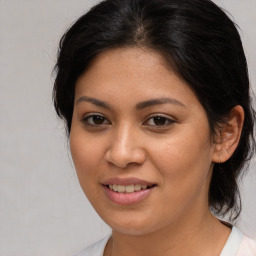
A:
(121, 155)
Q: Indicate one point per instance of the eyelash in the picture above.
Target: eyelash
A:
(159, 116)
(167, 121)
(86, 119)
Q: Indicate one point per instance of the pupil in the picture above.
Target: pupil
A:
(98, 119)
(159, 120)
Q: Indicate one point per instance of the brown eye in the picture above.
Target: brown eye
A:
(95, 120)
(98, 120)
(159, 121)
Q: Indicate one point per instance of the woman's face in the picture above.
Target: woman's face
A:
(140, 142)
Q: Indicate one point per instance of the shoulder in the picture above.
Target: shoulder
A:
(239, 245)
(247, 247)
(96, 249)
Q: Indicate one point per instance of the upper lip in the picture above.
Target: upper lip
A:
(126, 181)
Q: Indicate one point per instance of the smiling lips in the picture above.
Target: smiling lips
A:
(127, 191)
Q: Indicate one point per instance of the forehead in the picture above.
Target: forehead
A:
(129, 63)
(132, 74)
(130, 58)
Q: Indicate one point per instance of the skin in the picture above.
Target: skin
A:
(178, 155)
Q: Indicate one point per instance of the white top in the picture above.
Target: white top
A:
(236, 245)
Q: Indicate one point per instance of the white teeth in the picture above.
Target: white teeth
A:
(144, 186)
(121, 188)
(128, 189)
(137, 187)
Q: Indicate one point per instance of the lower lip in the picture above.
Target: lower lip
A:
(127, 198)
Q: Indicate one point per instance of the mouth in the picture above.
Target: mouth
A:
(127, 191)
(128, 188)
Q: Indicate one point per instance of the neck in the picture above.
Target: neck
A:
(205, 236)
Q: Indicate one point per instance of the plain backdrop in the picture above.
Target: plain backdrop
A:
(43, 211)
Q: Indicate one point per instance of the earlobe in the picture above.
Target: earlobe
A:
(229, 135)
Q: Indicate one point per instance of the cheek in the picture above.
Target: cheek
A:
(184, 160)
(85, 149)
(185, 175)
(86, 159)
(183, 150)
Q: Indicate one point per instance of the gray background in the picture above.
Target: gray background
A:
(42, 208)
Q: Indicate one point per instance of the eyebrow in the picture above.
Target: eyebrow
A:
(94, 101)
(139, 106)
(158, 101)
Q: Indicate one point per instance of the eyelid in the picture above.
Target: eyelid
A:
(160, 115)
(170, 120)
(93, 114)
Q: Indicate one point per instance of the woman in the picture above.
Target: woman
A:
(155, 96)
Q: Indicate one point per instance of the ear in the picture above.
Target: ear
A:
(228, 137)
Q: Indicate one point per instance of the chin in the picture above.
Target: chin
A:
(135, 226)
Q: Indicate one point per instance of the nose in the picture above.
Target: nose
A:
(125, 148)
